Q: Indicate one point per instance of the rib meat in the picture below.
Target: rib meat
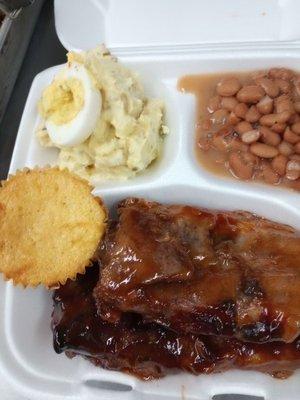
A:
(201, 272)
(150, 350)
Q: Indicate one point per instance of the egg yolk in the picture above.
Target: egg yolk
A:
(62, 100)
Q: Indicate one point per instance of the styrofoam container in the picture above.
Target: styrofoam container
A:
(161, 40)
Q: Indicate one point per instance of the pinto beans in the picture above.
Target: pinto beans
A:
(269, 175)
(228, 103)
(278, 128)
(295, 157)
(250, 94)
(297, 148)
(284, 86)
(219, 117)
(242, 164)
(294, 118)
(284, 103)
(265, 105)
(252, 114)
(214, 104)
(233, 119)
(270, 87)
(285, 148)
(241, 110)
(228, 87)
(254, 125)
(297, 86)
(269, 137)
(279, 164)
(296, 128)
(238, 145)
(271, 119)
(293, 170)
(251, 136)
(243, 127)
(221, 139)
(290, 136)
(264, 150)
(281, 73)
(297, 106)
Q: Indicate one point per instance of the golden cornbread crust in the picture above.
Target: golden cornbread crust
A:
(50, 226)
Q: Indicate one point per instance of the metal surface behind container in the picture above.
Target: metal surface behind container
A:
(15, 34)
(13, 7)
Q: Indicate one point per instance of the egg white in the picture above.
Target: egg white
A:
(77, 130)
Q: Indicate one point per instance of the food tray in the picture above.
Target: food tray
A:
(160, 55)
(14, 38)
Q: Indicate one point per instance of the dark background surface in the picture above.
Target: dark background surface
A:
(43, 51)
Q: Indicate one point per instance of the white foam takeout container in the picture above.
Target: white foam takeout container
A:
(161, 40)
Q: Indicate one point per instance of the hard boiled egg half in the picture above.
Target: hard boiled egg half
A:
(71, 106)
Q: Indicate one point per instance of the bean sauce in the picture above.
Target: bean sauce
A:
(248, 124)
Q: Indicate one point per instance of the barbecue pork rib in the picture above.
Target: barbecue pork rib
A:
(150, 350)
(201, 272)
